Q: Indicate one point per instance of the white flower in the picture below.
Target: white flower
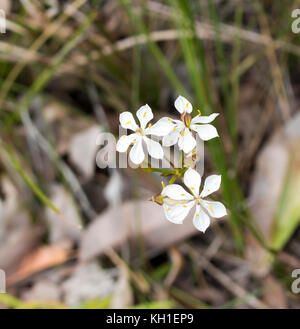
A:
(182, 132)
(161, 128)
(177, 202)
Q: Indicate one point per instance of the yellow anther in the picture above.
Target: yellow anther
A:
(174, 129)
(144, 114)
(184, 206)
(194, 151)
(149, 125)
(163, 184)
(183, 134)
(197, 215)
(128, 122)
(169, 209)
(169, 119)
(199, 112)
(187, 105)
(192, 188)
(182, 194)
(210, 207)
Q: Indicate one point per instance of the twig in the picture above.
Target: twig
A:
(65, 170)
(225, 280)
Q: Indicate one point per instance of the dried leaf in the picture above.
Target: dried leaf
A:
(274, 197)
(83, 150)
(145, 218)
(88, 282)
(41, 259)
(61, 229)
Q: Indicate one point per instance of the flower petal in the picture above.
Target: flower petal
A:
(192, 180)
(154, 148)
(127, 121)
(183, 105)
(215, 209)
(172, 138)
(161, 128)
(136, 154)
(205, 132)
(204, 119)
(125, 141)
(177, 213)
(211, 185)
(176, 192)
(145, 115)
(186, 141)
(201, 220)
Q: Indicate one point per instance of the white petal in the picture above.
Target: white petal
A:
(127, 121)
(201, 220)
(215, 209)
(125, 141)
(211, 185)
(176, 192)
(172, 138)
(192, 180)
(183, 105)
(186, 141)
(161, 128)
(205, 132)
(154, 148)
(177, 213)
(136, 154)
(145, 115)
(204, 119)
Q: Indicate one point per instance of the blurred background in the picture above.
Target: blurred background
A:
(68, 68)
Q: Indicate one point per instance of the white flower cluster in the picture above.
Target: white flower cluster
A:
(176, 201)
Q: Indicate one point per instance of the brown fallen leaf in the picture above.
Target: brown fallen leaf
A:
(59, 229)
(128, 221)
(274, 199)
(82, 151)
(273, 294)
(41, 259)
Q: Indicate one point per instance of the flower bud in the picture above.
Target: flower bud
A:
(158, 199)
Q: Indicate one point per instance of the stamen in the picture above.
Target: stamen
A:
(192, 188)
(163, 184)
(174, 129)
(169, 119)
(128, 122)
(199, 112)
(169, 209)
(184, 206)
(149, 125)
(197, 215)
(182, 194)
(187, 105)
(144, 114)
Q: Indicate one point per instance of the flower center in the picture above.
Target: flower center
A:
(140, 132)
(186, 119)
